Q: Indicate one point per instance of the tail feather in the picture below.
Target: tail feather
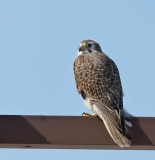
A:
(116, 135)
(115, 123)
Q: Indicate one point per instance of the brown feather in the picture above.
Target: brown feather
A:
(97, 78)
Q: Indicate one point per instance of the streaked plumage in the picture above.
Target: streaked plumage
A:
(98, 81)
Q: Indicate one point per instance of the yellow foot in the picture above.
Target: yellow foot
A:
(87, 114)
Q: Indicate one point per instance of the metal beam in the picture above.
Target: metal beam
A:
(70, 132)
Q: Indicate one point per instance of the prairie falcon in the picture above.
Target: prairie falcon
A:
(98, 81)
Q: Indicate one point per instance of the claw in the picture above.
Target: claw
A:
(87, 114)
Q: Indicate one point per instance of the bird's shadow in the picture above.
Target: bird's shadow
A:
(138, 136)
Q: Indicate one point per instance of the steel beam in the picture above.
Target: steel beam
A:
(70, 132)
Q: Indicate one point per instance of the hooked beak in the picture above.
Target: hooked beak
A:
(82, 47)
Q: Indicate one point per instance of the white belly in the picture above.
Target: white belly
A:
(94, 108)
(91, 106)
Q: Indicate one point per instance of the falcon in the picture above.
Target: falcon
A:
(98, 81)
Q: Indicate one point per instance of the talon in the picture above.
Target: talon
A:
(95, 115)
(87, 114)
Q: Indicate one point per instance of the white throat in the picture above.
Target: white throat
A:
(79, 53)
(83, 52)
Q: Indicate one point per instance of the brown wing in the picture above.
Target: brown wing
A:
(97, 77)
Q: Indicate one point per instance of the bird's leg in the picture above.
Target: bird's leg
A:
(87, 114)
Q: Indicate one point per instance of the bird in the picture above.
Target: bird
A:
(98, 82)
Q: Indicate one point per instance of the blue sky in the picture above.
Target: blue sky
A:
(38, 44)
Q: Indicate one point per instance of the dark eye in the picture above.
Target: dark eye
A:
(90, 45)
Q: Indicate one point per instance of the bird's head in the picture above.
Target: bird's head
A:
(88, 46)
